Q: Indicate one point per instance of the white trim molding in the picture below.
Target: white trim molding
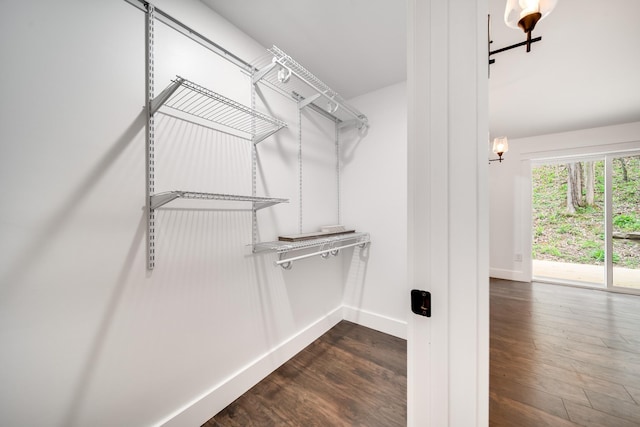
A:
(221, 395)
(388, 325)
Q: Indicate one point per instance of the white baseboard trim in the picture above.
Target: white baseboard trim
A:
(220, 396)
(515, 275)
(395, 327)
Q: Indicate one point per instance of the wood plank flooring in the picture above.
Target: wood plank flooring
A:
(560, 356)
(351, 376)
(563, 356)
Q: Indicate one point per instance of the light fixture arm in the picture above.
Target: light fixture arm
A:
(499, 159)
(513, 46)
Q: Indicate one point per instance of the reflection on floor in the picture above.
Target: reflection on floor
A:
(584, 273)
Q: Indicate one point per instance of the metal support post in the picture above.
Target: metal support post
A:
(337, 139)
(150, 136)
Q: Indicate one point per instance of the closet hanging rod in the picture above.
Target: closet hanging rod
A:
(183, 29)
(286, 263)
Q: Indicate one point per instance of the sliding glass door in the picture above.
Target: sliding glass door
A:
(569, 222)
(625, 221)
(586, 221)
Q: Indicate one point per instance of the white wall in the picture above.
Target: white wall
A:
(374, 199)
(510, 188)
(89, 336)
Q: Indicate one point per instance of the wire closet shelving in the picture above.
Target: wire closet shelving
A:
(189, 101)
(192, 102)
(284, 74)
(329, 245)
(160, 199)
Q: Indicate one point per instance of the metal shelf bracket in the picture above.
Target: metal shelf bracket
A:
(159, 100)
(304, 102)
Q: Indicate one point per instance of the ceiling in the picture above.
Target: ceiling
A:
(583, 74)
(354, 46)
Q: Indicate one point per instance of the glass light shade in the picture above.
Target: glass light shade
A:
(518, 9)
(500, 145)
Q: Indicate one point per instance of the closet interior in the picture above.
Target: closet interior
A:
(186, 100)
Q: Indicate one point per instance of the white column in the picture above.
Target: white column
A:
(448, 353)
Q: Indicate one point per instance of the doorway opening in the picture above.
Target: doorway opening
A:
(586, 221)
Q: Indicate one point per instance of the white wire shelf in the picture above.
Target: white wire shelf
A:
(160, 199)
(281, 72)
(188, 101)
(330, 245)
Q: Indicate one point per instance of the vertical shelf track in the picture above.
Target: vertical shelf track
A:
(254, 173)
(150, 135)
(300, 168)
(337, 139)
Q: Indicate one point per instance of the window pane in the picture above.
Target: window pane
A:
(568, 222)
(626, 221)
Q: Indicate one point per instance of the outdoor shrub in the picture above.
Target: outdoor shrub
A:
(565, 228)
(627, 222)
(591, 244)
(598, 255)
(550, 250)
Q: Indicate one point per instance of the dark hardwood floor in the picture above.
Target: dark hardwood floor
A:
(351, 376)
(563, 356)
(560, 356)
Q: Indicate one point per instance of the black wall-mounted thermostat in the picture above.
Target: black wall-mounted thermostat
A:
(421, 302)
